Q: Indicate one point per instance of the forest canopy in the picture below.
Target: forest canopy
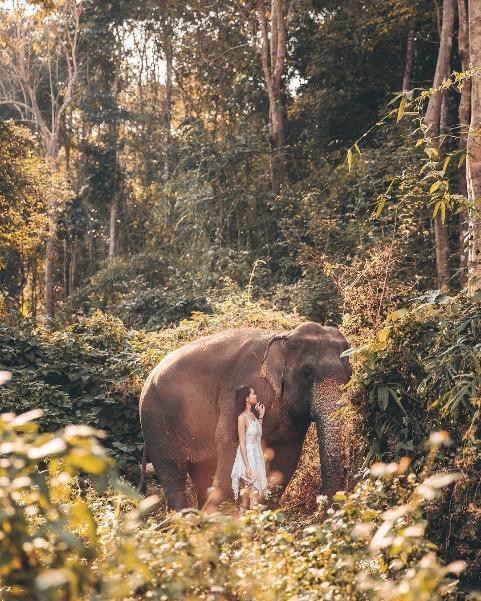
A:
(184, 142)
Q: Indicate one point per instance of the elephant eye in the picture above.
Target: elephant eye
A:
(306, 373)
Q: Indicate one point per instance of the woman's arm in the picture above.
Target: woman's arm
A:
(241, 427)
(261, 409)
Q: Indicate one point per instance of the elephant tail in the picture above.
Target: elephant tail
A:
(142, 484)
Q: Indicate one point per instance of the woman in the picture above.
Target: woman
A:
(249, 466)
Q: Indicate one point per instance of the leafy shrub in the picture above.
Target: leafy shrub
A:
(79, 541)
(422, 373)
(45, 547)
(87, 373)
(143, 290)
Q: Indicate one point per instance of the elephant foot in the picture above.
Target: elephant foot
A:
(176, 501)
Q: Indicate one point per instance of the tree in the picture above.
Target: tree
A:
(23, 221)
(433, 121)
(40, 71)
(113, 134)
(473, 161)
(273, 56)
(463, 115)
(408, 70)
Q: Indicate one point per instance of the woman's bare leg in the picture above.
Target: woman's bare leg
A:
(245, 496)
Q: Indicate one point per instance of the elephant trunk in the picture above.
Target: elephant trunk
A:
(325, 402)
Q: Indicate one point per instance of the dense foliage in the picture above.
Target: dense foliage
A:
(71, 537)
(422, 374)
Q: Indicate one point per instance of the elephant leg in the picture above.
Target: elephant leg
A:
(172, 476)
(202, 475)
(285, 461)
(168, 459)
(226, 450)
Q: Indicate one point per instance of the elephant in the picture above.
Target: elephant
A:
(187, 408)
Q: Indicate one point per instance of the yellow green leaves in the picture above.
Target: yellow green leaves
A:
(349, 155)
(46, 520)
(349, 159)
(401, 109)
(432, 152)
(383, 335)
(380, 202)
(50, 448)
(396, 315)
(382, 198)
(83, 460)
(82, 521)
(441, 207)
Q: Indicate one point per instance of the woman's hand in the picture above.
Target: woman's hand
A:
(249, 473)
(261, 409)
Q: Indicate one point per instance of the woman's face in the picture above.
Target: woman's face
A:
(252, 398)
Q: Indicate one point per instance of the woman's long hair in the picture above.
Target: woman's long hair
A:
(240, 403)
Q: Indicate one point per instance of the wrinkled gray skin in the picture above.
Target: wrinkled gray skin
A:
(187, 406)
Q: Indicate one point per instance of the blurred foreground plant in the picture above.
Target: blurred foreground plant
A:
(70, 530)
(48, 534)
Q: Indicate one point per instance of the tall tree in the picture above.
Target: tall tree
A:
(167, 109)
(463, 116)
(433, 121)
(408, 69)
(113, 135)
(273, 58)
(41, 69)
(473, 161)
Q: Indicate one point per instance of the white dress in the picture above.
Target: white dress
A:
(256, 460)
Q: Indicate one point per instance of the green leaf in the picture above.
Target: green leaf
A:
(383, 335)
(435, 186)
(390, 185)
(402, 106)
(381, 201)
(349, 159)
(81, 518)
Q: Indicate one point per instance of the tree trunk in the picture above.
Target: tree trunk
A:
(114, 138)
(408, 70)
(433, 121)
(66, 267)
(52, 205)
(464, 116)
(113, 227)
(33, 295)
(473, 161)
(73, 267)
(167, 115)
(50, 263)
(273, 55)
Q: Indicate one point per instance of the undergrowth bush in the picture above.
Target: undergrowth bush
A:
(423, 373)
(144, 290)
(70, 530)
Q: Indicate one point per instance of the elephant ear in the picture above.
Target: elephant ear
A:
(273, 363)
